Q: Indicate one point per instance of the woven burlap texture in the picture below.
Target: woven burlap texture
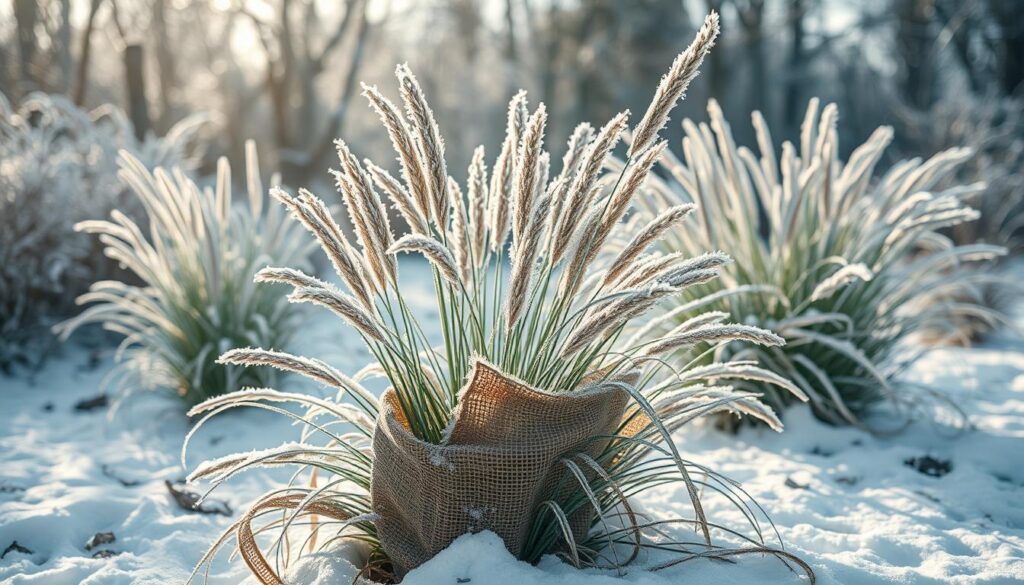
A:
(501, 459)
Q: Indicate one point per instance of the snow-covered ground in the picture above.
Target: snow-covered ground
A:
(849, 504)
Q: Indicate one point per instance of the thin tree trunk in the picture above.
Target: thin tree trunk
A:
(82, 77)
(511, 50)
(715, 72)
(915, 41)
(65, 47)
(752, 20)
(138, 109)
(26, 14)
(1011, 33)
(549, 68)
(165, 64)
(795, 67)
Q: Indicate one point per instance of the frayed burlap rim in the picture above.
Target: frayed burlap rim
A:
(499, 462)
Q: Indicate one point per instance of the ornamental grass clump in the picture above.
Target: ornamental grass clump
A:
(845, 266)
(534, 417)
(195, 258)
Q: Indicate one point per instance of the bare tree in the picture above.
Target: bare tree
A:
(1009, 44)
(85, 52)
(166, 69)
(293, 67)
(792, 101)
(915, 44)
(26, 15)
(751, 18)
(135, 89)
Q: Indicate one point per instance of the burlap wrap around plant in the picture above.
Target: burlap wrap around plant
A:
(500, 461)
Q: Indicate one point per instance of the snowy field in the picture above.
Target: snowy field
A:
(923, 507)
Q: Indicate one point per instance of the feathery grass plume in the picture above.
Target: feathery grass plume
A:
(428, 141)
(400, 198)
(434, 251)
(461, 246)
(849, 267)
(649, 268)
(673, 86)
(524, 261)
(504, 172)
(528, 168)
(583, 188)
(577, 144)
(368, 215)
(517, 320)
(197, 297)
(316, 218)
(342, 305)
(405, 146)
(285, 275)
(644, 238)
(602, 220)
(477, 204)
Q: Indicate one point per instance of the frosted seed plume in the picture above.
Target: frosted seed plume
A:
(434, 251)
(370, 204)
(405, 146)
(313, 214)
(477, 204)
(400, 197)
(635, 177)
(431, 146)
(342, 305)
(709, 318)
(841, 278)
(503, 173)
(524, 259)
(647, 268)
(460, 233)
(584, 185)
(575, 148)
(714, 334)
(617, 313)
(285, 275)
(311, 368)
(647, 236)
(366, 234)
(673, 85)
(528, 166)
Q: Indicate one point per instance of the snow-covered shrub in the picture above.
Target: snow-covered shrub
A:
(195, 256)
(844, 265)
(551, 322)
(58, 166)
(37, 258)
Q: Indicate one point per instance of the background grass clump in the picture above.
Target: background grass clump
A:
(193, 259)
(847, 266)
(994, 130)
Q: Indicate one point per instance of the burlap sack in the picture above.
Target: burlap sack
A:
(501, 460)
